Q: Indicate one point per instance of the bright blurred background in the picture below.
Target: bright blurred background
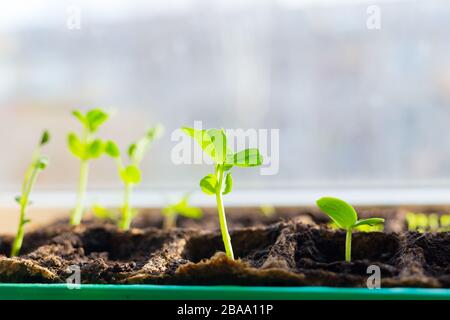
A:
(356, 107)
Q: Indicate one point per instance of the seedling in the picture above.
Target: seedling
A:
(131, 174)
(214, 144)
(182, 208)
(345, 216)
(86, 148)
(38, 163)
(268, 210)
(422, 222)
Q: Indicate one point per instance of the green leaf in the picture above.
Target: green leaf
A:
(155, 133)
(77, 114)
(95, 149)
(95, 118)
(369, 222)
(104, 213)
(228, 183)
(209, 184)
(112, 149)
(45, 138)
(247, 158)
(339, 211)
(18, 199)
(131, 174)
(190, 212)
(203, 139)
(137, 150)
(218, 146)
(42, 163)
(75, 145)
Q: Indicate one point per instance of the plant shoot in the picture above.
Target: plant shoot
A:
(214, 143)
(181, 208)
(345, 217)
(85, 147)
(38, 163)
(131, 174)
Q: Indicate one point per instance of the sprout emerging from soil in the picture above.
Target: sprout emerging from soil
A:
(38, 164)
(85, 148)
(214, 144)
(268, 210)
(131, 174)
(182, 207)
(345, 217)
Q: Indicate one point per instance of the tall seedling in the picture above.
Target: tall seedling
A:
(214, 144)
(38, 163)
(85, 147)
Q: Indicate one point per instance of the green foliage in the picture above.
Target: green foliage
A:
(182, 208)
(214, 143)
(345, 217)
(38, 164)
(85, 147)
(422, 222)
(131, 174)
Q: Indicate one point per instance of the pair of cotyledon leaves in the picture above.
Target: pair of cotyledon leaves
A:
(343, 214)
(183, 208)
(86, 149)
(136, 151)
(214, 143)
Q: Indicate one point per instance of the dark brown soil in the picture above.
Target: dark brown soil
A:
(296, 251)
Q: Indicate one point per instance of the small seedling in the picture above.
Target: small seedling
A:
(214, 144)
(38, 164)
(422, 222)
(344, 215)
(86, 148)
(131, 174)
(182, 208)
(268, 210)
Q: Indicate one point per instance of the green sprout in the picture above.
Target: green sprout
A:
(131, 174)
(267, 210)
(182, 208)
(214, 143)
(345, 216)
(422, 222)
(86, 148)
(38, 164)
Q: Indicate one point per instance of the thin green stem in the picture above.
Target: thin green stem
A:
(77, 213)
(29, 182)
(222, 218)
(126, 213)
(348, 245)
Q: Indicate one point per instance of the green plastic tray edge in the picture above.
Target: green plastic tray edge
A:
(10, 291)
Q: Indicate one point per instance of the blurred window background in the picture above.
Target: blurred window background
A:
(354, 106)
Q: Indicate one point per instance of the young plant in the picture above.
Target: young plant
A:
(268, 210)
(182, 208)
(422, 222)
(131, 174)
(38, 163)
(345, 217)
(214, 144)
(86, 147)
